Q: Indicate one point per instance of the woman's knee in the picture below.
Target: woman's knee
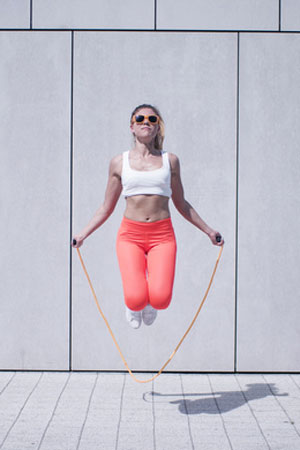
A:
(160, 299)
(136, 301)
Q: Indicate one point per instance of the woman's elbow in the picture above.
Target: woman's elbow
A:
(179, 205)
(104, 212)
(108, 210)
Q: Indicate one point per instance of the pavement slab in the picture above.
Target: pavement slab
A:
(109, 411)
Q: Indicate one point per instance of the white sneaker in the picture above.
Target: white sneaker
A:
(149, 315)
(134, 318)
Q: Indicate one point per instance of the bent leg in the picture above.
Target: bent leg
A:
(161, 272)
(132, 263)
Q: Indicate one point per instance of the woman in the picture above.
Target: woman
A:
(146, 246)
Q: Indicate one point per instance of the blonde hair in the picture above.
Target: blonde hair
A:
(159, 138)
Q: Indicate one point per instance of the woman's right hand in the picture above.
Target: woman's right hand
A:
(77, 241)
(216, 238)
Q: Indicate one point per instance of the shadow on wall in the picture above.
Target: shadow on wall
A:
(216, 402)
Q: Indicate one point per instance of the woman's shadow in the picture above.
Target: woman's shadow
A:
(216, 402)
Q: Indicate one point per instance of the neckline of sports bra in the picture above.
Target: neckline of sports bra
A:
(145, 171)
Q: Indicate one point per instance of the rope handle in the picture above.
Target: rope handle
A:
(218, 238)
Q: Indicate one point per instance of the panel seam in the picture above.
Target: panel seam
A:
(71, 201)
(187, 413)
(53, 413)
(30, 13)
(120, 413)
(147, 30)
(279, 18)
(237, 203)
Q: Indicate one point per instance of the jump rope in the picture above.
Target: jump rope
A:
(218, 238)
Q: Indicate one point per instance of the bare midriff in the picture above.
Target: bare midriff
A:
(147, 208)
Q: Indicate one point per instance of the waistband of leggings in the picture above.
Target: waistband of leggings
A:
(134, 224)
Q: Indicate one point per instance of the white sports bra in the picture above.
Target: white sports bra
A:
(139, 182)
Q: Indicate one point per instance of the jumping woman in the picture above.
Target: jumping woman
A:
(147, 177)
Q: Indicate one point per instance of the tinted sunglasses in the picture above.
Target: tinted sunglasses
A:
(139, 118)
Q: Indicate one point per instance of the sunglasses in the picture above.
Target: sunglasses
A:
(139, 118)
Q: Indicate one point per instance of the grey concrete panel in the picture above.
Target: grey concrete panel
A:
(268, 292)
(192, 78)
(218, 15)
(34, 142)
(118, 14)
(15, 14)
(290, 15)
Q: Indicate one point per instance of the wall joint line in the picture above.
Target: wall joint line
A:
(237, 203)
(71, 197)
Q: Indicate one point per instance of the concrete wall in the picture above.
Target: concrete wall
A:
(70, 74)
(34, 142)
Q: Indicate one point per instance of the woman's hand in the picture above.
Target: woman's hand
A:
(216, 238)
(77, 241)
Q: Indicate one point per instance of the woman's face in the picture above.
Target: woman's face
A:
(146, 130)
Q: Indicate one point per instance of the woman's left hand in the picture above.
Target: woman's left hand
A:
(216, 238)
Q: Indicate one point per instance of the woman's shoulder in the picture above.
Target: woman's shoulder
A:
(172, 156)
(174, 160)
(116, 159)
(115, 165)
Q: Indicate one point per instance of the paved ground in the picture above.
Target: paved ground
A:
(88, 411)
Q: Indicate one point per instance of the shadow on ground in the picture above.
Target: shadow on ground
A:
(215, 402)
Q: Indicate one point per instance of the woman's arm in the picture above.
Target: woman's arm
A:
(112, 194)
(184, 207)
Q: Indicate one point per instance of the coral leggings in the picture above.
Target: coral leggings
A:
(147, 255)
